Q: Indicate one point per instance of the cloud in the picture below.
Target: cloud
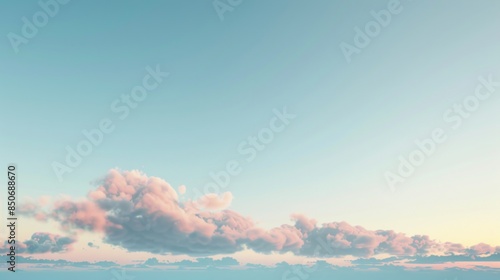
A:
(303, 223)
(199, 262)
(341, 238)
(141, 213)
(42, 242)
(215, 202)
(182, 189)
(33, 210)
(207, 262)
(92, 245)
(60, 263)
(374, 261)
(453, 258)
(482, 249)
(152, 261)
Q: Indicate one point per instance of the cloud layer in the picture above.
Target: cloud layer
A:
(141, 213)
(41, 242)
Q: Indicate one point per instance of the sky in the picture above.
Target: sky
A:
(296, 111)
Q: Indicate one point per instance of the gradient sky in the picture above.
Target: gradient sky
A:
(353, 120)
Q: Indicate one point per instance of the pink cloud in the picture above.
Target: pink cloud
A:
(141, 213)
(213, 201)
